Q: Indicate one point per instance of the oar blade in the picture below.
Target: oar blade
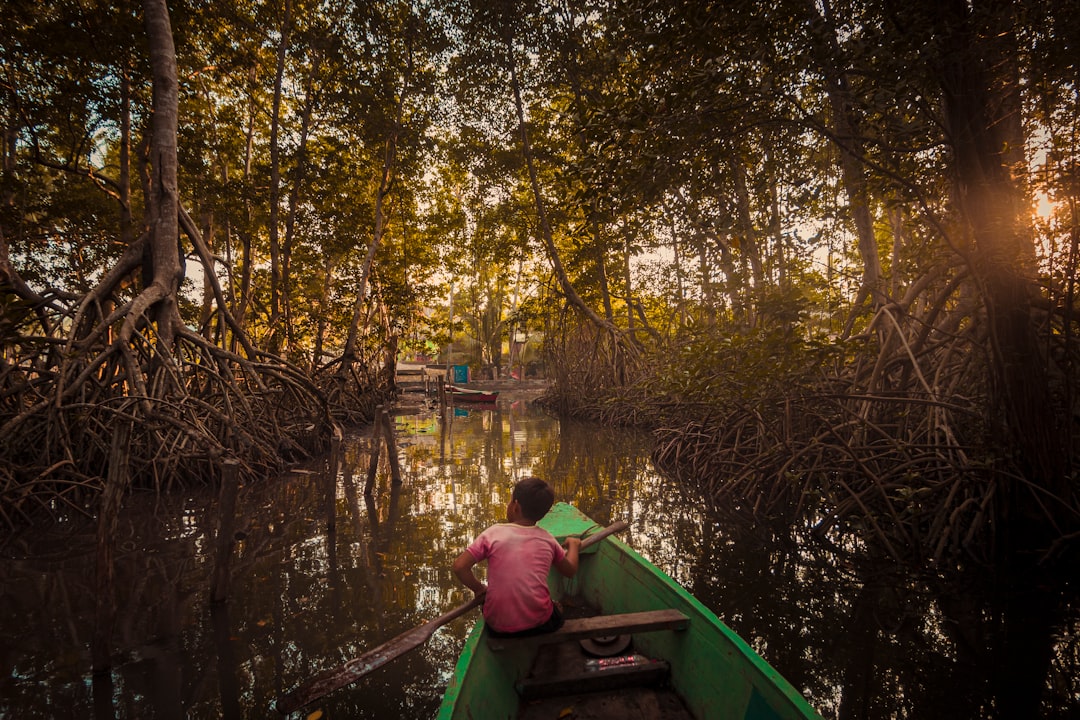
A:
(351, 671)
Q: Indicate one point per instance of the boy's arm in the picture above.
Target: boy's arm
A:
(463, 568)
(568, 566)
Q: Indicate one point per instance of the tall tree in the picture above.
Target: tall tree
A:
(275, 318)
(982, 111)
(158, 298)
(392, 96)
(834, 69)
(129, 355)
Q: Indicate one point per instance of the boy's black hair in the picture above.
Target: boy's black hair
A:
(535, 497)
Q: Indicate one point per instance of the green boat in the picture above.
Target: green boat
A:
(635, 644)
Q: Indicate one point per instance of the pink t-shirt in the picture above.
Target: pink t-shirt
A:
(519, 558)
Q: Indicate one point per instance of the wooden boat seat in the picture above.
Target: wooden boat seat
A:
(561, 668)
(601, 626)
(572, 680)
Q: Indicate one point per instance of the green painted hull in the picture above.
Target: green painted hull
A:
(714, 671)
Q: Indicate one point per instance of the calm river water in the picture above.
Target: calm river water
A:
(858, 640)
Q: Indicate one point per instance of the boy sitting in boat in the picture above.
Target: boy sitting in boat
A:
(519, 555)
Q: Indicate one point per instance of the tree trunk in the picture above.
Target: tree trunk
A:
(127, 231)
(976, 96)
(388, 169)
(628, 281)
(544, 227)
(163, 201)
(708, 296)
(275, 184)
(10, 280)
(680, 293)
(748, 244)
(601, 269)
(243, 295)
(706, 232)
(776, 221)
(846, 133)
(324, 311)
(570, 52)
(295, 196)
(206, 312)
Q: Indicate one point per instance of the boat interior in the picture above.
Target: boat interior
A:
(591, 670)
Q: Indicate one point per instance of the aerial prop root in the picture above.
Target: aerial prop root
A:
(191, 403)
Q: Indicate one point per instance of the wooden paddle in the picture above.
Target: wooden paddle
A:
(358, 667)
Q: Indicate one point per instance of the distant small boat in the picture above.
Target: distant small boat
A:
(667, 655)
(460, 394)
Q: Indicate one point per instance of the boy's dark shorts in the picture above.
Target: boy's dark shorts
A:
(552, 624)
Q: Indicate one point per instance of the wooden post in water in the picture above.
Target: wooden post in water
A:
(391, 448)
(228, 686)
(101, 687)
(116, 482)
(352, 499)
(376, 445)
(442, 392)
(331, 481)
(230, 482)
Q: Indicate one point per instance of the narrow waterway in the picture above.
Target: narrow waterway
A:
(856, 638)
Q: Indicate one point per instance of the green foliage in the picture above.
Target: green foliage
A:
(741, 369)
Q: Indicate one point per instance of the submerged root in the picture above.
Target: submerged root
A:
(816, 458)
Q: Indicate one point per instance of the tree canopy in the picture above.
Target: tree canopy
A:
(697, 210)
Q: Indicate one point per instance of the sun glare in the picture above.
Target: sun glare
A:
(1044, 207)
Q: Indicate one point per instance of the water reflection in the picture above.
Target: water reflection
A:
(860, 639)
